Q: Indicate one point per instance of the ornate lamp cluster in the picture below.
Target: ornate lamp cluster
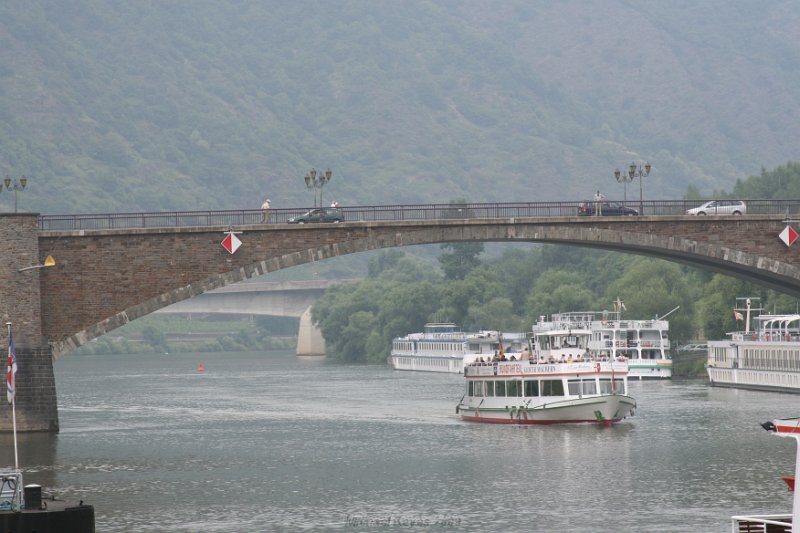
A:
(317, 181)
(634, 171)
(14, 185)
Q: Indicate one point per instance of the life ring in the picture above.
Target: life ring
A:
(597, 367)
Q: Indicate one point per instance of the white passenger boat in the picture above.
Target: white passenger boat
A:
(645, 343)
(443, 347)
(775, 523)
(765, 356)
(534, 392)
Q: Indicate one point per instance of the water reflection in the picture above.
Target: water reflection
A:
(37, 455)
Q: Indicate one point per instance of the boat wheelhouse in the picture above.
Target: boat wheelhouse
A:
(764, 357)
(645, 343)
(443, 347)
(530, 392)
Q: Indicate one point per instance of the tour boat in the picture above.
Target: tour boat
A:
(645, 343)
(443, 347)
(764, 357)
(774, 523)
(537, 392)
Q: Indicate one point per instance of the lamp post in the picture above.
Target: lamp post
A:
(624, 179)
(14, 185)
(638, 172)
(317, 181)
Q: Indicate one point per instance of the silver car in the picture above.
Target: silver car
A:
(720, 207)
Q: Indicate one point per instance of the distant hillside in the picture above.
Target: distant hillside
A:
(152, 105)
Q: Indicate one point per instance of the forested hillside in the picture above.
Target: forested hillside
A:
(152, 105)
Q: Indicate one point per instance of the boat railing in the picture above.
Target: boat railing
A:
(772, 523)
(766, 336)
(11, 494)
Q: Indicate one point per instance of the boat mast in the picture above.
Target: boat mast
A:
(747, 319)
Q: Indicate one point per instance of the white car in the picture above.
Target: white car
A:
(720, 207)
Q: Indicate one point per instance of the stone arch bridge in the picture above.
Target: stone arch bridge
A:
(111, 269)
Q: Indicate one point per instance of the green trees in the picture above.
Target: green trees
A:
(460, 258)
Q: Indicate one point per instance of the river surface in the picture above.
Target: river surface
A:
(271, 442)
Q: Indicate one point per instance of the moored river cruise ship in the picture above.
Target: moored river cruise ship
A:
(645, 343)
(764, 357)
(534, 392)
(443, 347)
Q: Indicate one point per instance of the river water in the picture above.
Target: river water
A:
(272, 442)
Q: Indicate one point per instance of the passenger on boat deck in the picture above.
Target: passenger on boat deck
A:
(512, 358)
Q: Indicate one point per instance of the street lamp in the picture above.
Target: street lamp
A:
(624, 179)
(317, 181)
(639, 172)
(14, 185)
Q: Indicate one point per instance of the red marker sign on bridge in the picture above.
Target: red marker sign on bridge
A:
(788, 235)
(231, 242)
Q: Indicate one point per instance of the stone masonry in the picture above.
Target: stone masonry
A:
(20, 304)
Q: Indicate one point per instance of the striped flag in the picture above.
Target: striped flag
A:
(12, 369)
(737, 315)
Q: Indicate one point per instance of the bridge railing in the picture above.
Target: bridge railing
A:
(383, 213)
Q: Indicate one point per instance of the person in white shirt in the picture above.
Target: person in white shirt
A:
(598, 203)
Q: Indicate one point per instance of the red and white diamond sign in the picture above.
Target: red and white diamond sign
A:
(231, 242)
(788, 235)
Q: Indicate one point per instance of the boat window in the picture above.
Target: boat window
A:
(500, 388)
(489, 388)
(577, 387)
(469, 388)
(605, 386)
(514, 388)
(531, 387)
(552, 387)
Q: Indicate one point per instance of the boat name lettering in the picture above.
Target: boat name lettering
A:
(514, 368)
(541, 369)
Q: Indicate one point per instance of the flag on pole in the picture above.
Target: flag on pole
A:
(737, 315)
(12, 369)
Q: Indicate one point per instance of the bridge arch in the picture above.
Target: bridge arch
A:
(712, 243)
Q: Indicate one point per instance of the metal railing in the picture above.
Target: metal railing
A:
(101, 221)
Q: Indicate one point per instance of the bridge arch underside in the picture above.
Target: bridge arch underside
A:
(759, 268)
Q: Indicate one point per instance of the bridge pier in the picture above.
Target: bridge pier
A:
(20, 304)
(309, 337)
